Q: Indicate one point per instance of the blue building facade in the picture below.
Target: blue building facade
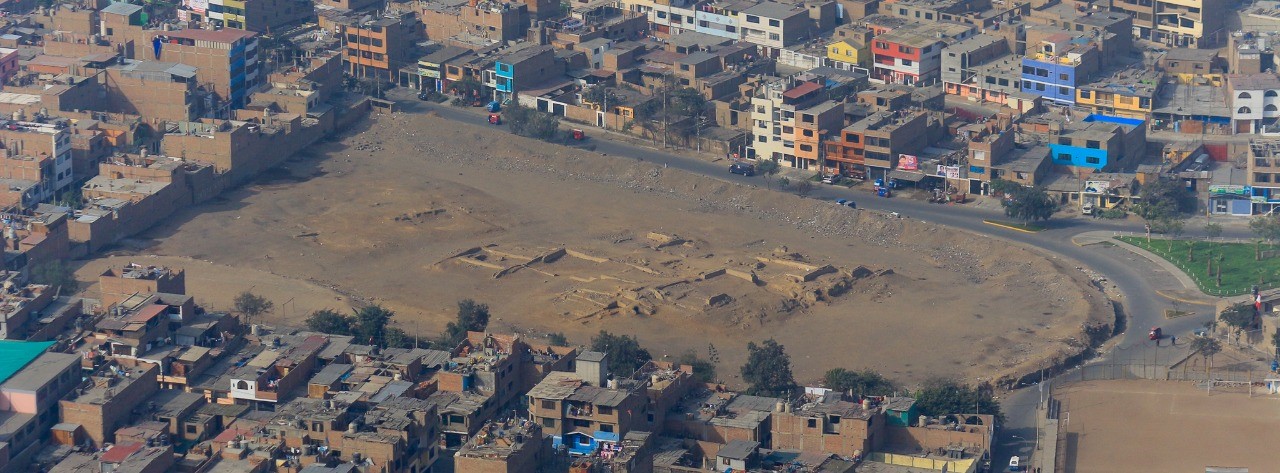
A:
(1089, 146)
(1053, 78)
(505, 80)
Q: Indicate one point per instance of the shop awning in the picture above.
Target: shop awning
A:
(906, 175)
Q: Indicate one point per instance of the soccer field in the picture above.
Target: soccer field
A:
(1166, 426)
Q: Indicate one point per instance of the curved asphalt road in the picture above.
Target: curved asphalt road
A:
(1143, 307)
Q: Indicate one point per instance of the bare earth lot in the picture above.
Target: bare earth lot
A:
(416, 212)
(1139, 425)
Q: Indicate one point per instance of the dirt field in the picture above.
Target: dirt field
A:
(1124, 426)
(416, 212)
(214, 286)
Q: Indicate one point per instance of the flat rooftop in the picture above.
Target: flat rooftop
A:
(40, 371)
(16, 355)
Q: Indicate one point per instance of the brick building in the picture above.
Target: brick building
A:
(226, 62)
(497, 20)
(116, 285)
(107, 400)
(154, 89)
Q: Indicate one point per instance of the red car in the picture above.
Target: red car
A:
(1155, 334)
(495, 119)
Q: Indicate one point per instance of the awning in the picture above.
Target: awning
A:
(906, 176)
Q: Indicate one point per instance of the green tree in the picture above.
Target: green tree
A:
(252, 305)
(703, 371)
(622, 352)
(1030, 204)
(1239, 316)
(601, 95)
(467, 87)
(558, 339)
(531, 123)
(686, 102)
(1004, 187)
(1212, 230)
(804, 188)
(397, 338)
(1162, 200)
(940, 397)
(768, 370)
(472, 317)
(330, 321)
(371, 324)
(1267, 228)
(56, 273)
(1206, 347)
(859, 383)
(767, 168)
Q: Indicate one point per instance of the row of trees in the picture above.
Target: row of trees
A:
(531, 123)
(767, 370)
(768, 373)
(371, 324)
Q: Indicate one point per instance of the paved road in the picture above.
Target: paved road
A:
(1132, 275)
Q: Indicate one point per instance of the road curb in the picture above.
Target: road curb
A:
(1007, 227)
(1171, 297)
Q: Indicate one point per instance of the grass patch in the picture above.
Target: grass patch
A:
(1173, 314)
(1240, 271)
(1026, 227)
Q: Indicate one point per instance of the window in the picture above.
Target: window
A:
(606, 428)
(364, 40)
(1244, 95)
(902, 11)
(1093, 160)
(1064, 157)
(1092, 144)
(353, 53)
(1004, 82)
(928, 16)
(1063, 91)
(548, 404)
(191, 428)
(1084, 94)
(730, 29)
(1028, 70)
(808, 133)
(1244, 110)
(242, 384)
(774, 37)
(703, 24)
(813, 423)
(774, 23)
(906, 49)
(907, 62)
(605, 410)
(1270, 108)
(762, 138)
(376, 42)
(724, 461)
(917, 14)
(806, 148)
(662, 14)
(1063, 76)
(548, 422)
(352, 38)
(753, 19)
(378, 56)
(455, 419)
(1042, 72)
(1039, 87)
(1269, 93)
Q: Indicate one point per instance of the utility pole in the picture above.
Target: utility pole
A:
(666, 120)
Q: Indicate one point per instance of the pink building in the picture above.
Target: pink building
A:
(8, 64)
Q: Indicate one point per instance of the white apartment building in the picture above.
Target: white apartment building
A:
(774, 26)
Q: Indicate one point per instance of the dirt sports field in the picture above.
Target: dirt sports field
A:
(1167, 426)
(415, 213)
